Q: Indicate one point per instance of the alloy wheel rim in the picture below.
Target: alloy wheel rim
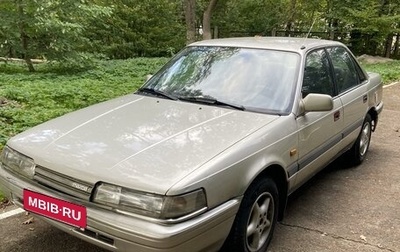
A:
(365, 138)
(260, 222)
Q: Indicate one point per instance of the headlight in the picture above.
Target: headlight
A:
(151, 205)
(17, 162)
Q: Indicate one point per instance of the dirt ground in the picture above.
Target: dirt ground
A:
(373, 59)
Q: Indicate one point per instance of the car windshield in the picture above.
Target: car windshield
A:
(252, 79)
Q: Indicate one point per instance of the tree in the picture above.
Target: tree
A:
(190, 19)
(207, 19)
(139, 28)
(49, 29)
(372, 26)
(207, 8)
(66, 30)
(23, 26)
(249, 17)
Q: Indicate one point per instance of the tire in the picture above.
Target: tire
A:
(255, 221)
(360, 148)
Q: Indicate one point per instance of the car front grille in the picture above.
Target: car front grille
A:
(62, 183)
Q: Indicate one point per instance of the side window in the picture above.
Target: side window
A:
(344, 68)
(317, 77)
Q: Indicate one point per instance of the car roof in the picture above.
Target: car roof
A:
(274, 43)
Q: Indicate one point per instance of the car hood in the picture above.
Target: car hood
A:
(140, 142)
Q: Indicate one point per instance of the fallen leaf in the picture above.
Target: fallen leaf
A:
(28, 221)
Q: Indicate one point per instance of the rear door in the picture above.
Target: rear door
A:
(352, 90)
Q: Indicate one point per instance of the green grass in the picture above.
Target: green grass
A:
(2, 198)
(390, 71)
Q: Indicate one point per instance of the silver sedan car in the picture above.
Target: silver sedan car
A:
(204, 155)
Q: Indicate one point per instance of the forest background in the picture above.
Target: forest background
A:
(76, 31)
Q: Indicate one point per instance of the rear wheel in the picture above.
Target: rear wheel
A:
(360, 148)
(255, 221)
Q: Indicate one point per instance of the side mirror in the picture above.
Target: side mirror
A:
(316, 102)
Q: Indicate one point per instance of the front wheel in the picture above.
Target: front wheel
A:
(360, 148)
(255, 221)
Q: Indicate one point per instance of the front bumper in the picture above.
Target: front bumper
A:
(118, 232)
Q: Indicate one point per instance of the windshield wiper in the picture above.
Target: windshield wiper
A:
(157, 93)
(212, 101)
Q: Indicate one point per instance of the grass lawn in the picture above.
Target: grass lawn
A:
(2, 198)
(27, 99)
(390, 71)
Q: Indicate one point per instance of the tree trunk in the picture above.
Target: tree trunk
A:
(207, 19)
(388, 45)
(333, 25)
(216, 32)
(292, 13)
(385, 11)
(24, 38)
(396, 46)
(190, 18)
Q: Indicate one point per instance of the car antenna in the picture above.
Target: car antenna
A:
(308, 34)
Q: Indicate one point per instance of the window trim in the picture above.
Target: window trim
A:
(330, 70)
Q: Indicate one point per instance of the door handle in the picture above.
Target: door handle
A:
(365, 98)
(336, 116)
